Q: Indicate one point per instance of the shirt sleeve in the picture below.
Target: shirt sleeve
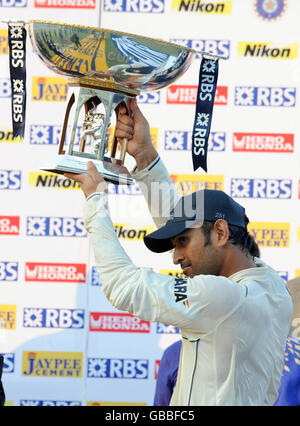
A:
(196, 305)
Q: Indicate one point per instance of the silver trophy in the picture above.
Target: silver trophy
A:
(104, 69)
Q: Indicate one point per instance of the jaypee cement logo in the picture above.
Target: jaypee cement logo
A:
(13, 3)
(52, 364)
(53, 318)
(177, 140)
(265, 96)
(270, 234)
(186, 184)
(49, 89)
(261, 188)
(37, 226)
(134, 6)
(110, 368)
(213, 47)
(8, 317)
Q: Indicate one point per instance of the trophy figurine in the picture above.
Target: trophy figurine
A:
(104, 69)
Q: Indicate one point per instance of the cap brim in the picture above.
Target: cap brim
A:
(159, 241)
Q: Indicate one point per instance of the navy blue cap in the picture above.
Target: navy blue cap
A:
(204, 205)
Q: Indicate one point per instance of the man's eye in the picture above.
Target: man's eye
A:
(182, 240)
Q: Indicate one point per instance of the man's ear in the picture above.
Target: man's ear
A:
(221, 229)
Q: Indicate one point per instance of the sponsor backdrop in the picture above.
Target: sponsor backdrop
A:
(63, 343)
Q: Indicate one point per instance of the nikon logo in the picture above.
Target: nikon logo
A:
(203, 6)
(50, 180)
(268, 50)
(125, 231)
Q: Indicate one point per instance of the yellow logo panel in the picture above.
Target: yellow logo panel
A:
(186, 184)
(4, 42)
(173, 272)
(8, 317)
(270, 234)
(7, 136)
(126, 231)
(51, 180)
(49, 89)
(52, 364)
(203, 6)
(113, 403)
(268, 50)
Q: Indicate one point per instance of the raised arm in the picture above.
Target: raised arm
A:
(152, 175)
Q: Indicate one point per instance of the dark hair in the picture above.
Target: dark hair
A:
(238, 236)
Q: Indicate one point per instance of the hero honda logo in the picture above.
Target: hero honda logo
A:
(261, 188)
(110, 368)
(263, 142)
(75, 4)
(9, 225)
(185, 94)
(265, 96)
(55, 272)
(106, 321)
(37, 226)
(134, 6)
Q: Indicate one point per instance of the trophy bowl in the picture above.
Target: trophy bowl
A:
(105, 68)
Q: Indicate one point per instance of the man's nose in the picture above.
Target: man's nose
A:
(178, 256)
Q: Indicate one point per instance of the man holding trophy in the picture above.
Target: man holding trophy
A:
(233, 310)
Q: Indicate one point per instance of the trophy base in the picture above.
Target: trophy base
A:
(111, 172)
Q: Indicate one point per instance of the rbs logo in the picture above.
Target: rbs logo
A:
(9, 271)
(105, 368)
(137, 6)
(10, 179)
(176, 140)
(53, 318)
(265, 96)
(261, 188)
(13, 3)
(55, 227)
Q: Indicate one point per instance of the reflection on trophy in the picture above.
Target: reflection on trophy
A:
(104, 69)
